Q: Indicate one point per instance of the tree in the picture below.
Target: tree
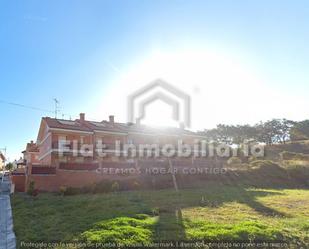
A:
(269, 132)
(300, 131)
(284, 129)
(242, 133)
(231, 134)
(221, 134)
(9, 166)
(274, 131)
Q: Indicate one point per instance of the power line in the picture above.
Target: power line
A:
(55, 112)
(26, 106)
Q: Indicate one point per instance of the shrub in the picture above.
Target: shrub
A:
(62, 190)
(31, 188)
(35, 192)
(107, 186)
(115, 187)
(252, 159)
(286, 155)
(234, 160)
(136, 185)
(155, 211)
(263, 164)
(299, 173)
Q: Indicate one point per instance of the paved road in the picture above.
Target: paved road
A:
(7, 236)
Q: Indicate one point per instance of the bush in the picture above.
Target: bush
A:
(299, 173)
(155, 211)
(136, 185)
(252, 159)
(35, 192)
(30, 190)
(125, 184)
(62, 190)
(115, 187)
(264, 164)
(234, 160)
(286, 155)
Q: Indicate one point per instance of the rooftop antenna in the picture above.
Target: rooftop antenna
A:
(56, 107)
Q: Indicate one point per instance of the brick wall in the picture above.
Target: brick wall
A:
(78, 177)
(69, 178)
(19, 181)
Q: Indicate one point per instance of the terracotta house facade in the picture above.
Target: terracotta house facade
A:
(50, 167)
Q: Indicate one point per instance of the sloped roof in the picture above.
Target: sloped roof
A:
(32, 147)
(20, 161)
(91, 126)
(66, 124)
(106, 126)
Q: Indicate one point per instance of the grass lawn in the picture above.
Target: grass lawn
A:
(215, 213)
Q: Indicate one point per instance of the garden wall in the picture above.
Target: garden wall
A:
(79, 176)
(20, 182)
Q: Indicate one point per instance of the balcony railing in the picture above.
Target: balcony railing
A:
(43, 170)
(79, 166)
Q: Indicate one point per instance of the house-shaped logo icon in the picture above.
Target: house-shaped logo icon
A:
(173, 99)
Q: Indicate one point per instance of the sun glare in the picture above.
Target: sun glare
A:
(215, 82)
(159, 114)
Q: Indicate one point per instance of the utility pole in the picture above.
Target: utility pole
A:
(56, 107)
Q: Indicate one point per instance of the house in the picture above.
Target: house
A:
(55, 159)
(31, 153)
(20, 163)
(83, 132)
(2, 161)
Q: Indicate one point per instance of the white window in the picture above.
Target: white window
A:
(62, 138)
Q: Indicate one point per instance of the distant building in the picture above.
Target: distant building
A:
(21, 163)
(2, 161)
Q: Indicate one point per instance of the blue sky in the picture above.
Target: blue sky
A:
(74, 50)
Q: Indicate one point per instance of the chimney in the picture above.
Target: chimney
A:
(31, 141)
(82, 116)
(111, 119)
